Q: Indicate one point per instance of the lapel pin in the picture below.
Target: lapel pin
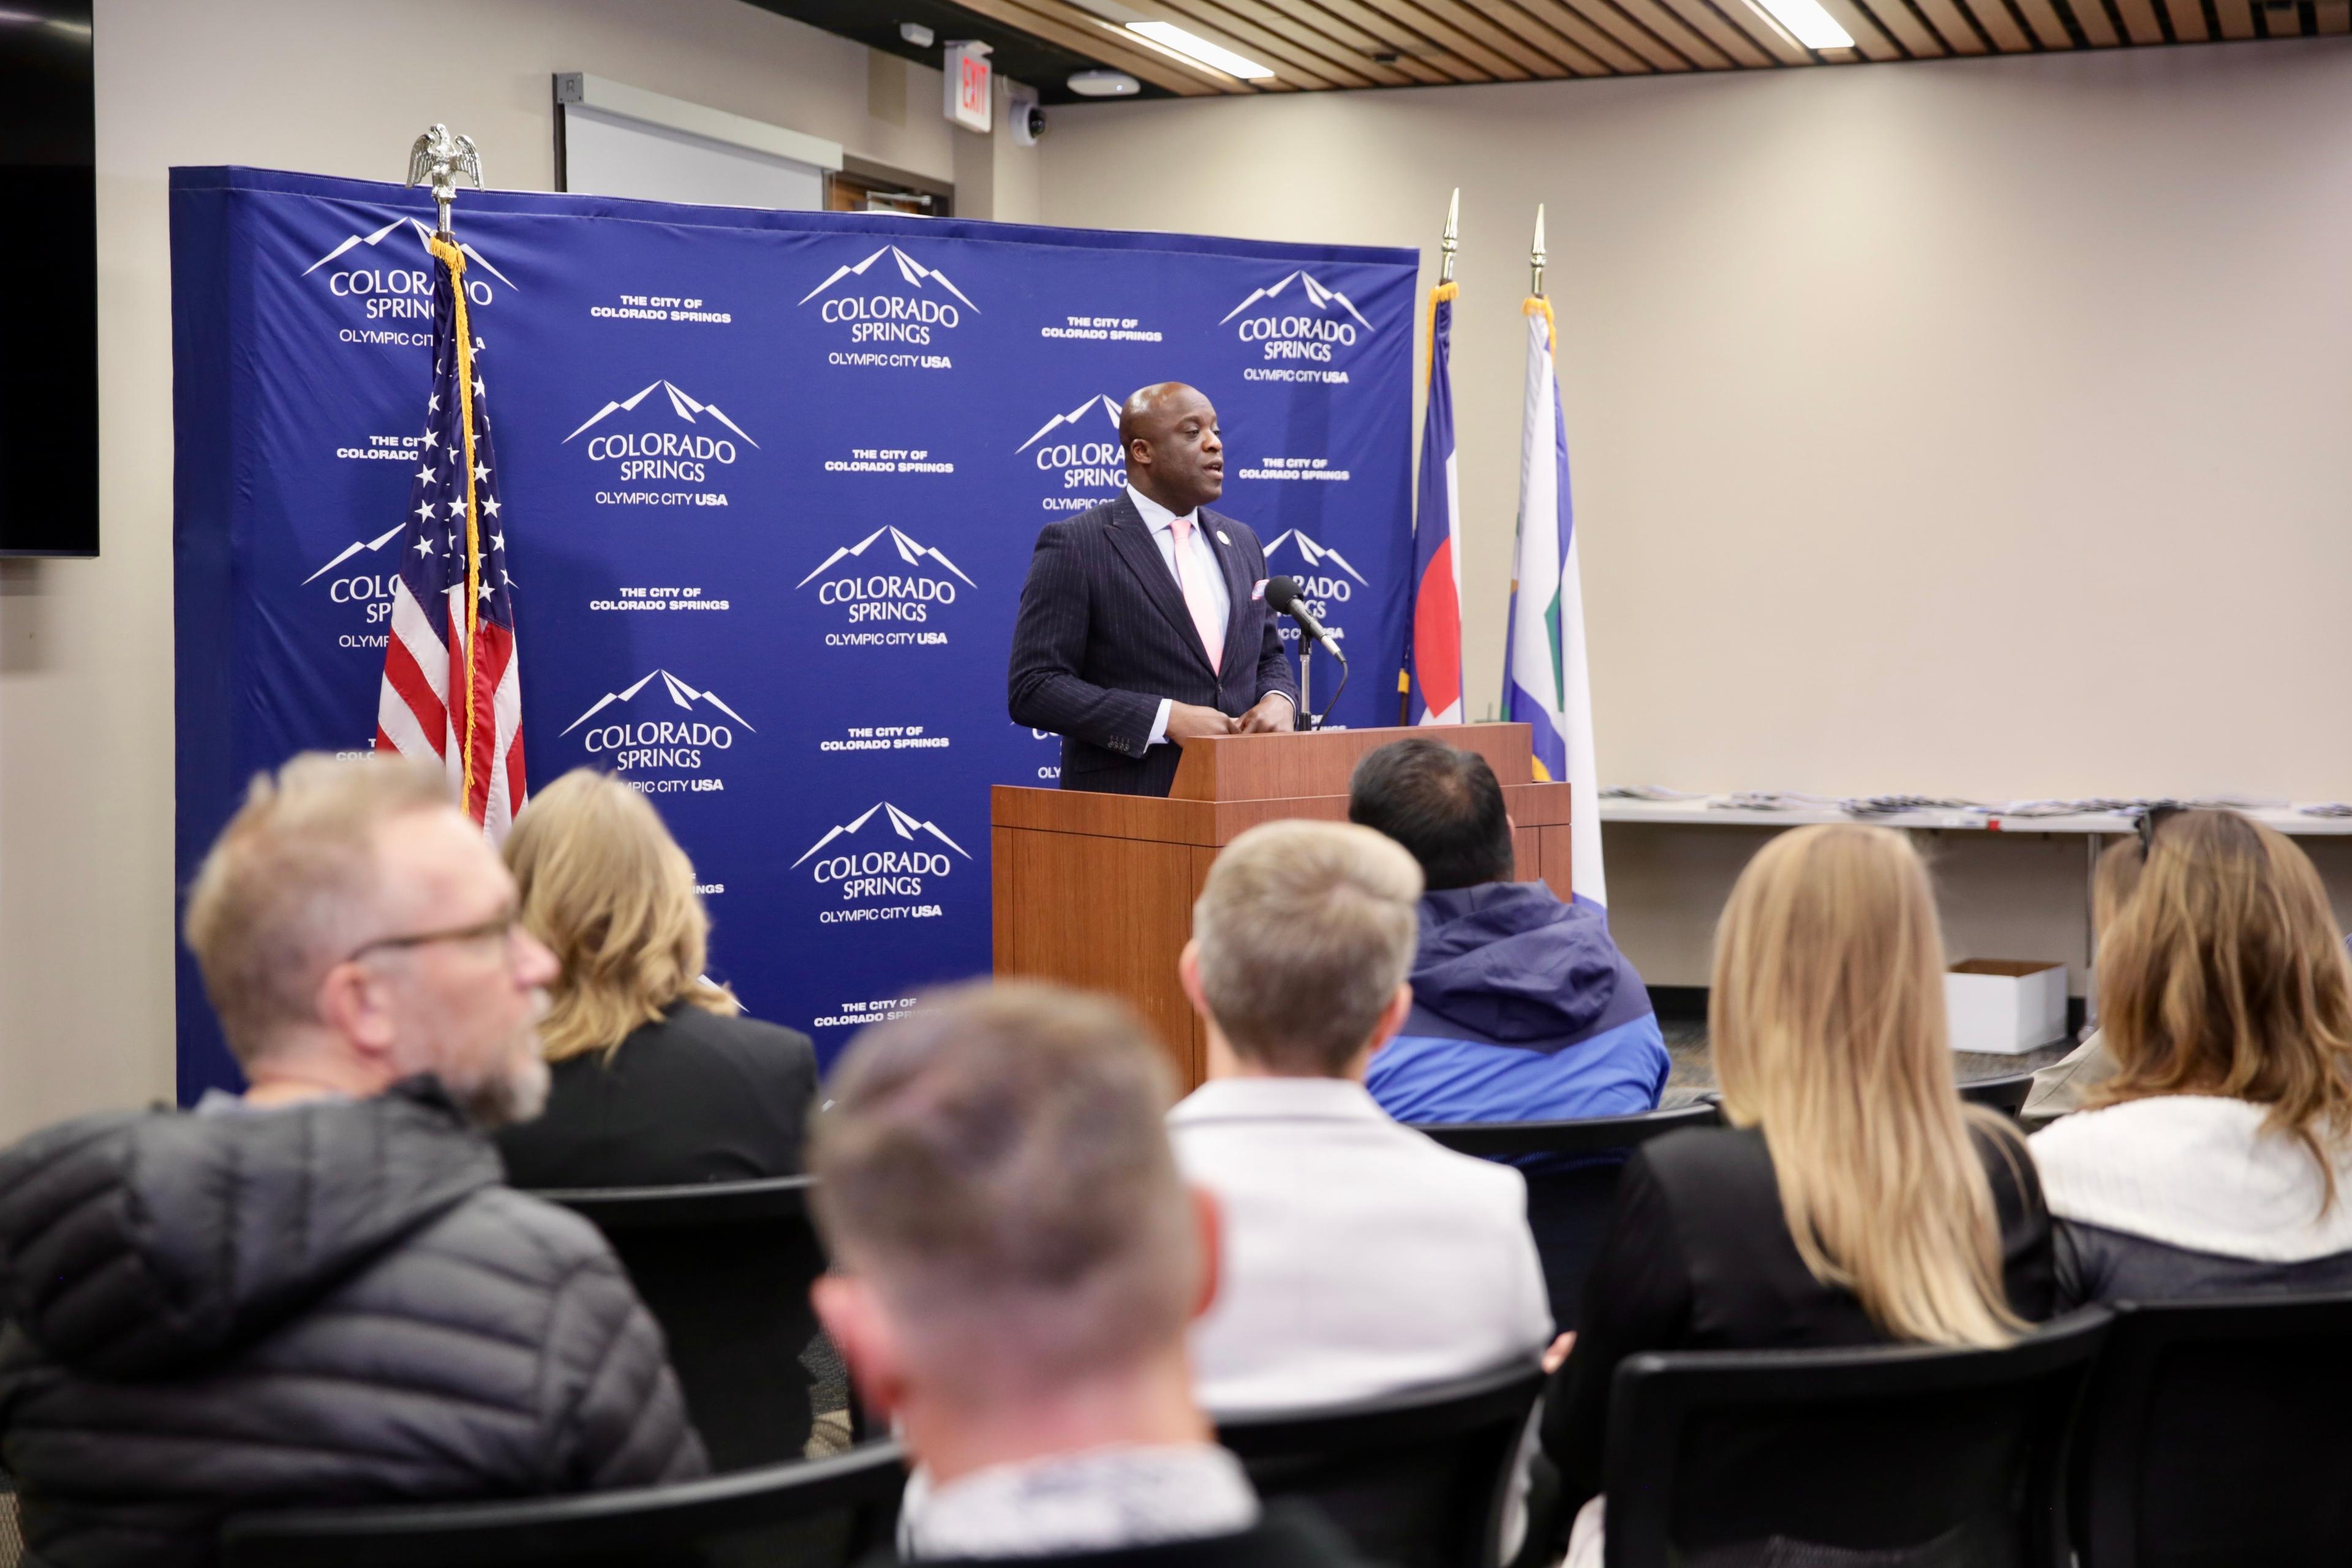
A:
(1223, 538)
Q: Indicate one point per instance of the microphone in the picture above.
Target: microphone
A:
(1282, 593)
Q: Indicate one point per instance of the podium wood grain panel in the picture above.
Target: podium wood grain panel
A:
(1097, 890)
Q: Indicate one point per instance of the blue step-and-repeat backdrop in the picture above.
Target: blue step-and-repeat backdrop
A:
(772, 484)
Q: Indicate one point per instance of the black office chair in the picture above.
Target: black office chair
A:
(1888, 1457)
(2006, 1094)
(2217, 1434)
(1571, 1169)
(1416, 1481)
(725, 1267)
(813, 1513)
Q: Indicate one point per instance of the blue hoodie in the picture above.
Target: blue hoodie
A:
(1523, 1010)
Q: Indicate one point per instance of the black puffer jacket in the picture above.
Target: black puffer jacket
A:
(326, 1304)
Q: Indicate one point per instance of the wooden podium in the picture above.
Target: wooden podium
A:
(1097, 889)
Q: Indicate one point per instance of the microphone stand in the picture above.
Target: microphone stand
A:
(1312, 719)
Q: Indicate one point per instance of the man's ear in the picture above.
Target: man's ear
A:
(352, 1003)
(1208, 1225)
(1393, 1016)
(1187, 974)
(861, 1331)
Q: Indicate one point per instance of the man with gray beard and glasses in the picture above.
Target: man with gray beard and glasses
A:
(321, 1292)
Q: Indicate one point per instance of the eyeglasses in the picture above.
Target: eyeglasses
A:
(502, 926)
(2150, 819)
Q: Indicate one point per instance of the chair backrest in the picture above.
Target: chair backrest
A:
(1896, 1457)
(2220, 1431)
(725, 1267)
(1571, 1169)
(1415, 1480)
(808, 1514)
(2006, 1094)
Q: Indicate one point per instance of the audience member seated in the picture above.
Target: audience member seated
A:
(1360, 1257)
(2069, 1083)
(656, 1080)
(1523, 1009)
(2217, 1158)
(319, 1293)
(1853, 1198)
(1017, 1262)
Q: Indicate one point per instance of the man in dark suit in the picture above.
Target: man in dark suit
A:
(1144, 624)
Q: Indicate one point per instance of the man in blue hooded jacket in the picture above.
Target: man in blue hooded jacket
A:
(1523, 1009)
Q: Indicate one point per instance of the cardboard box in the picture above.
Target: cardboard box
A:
(2005, 1006)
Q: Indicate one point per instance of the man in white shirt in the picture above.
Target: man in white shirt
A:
(1016, 1260)
(1143, 621)
(1360, 1258)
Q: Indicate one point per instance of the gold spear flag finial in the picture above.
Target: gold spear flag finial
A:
(1536, 255)
(1451, 242)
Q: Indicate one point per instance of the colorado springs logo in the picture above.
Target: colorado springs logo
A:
(1083, 458)
(1322, 587)
(887, 596)
(651, 453)
(880, 872)
(1285, 329)
(389, 292)
(372, 591)
(661, 744)
(930, 304)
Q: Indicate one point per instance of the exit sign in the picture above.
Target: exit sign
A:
(970, 81)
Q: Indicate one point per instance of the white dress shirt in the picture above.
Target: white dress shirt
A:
(1360, 1257)
(1099, 1501)
(1201, 557)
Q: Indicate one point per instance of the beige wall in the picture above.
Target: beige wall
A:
(1970, 427)
(337, 86)
(1910, 407)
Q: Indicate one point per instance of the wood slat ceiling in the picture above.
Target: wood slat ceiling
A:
(1316, 46)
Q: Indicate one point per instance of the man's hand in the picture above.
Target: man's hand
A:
(1188, 722)
(1271, 716)
(1555, 1354)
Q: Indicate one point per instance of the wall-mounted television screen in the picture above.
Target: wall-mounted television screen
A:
(48, 281)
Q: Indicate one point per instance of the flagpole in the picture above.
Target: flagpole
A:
(1448, 243)
(441, 159)
(1536, 255)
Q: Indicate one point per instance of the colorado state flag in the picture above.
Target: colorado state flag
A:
(1433, 657)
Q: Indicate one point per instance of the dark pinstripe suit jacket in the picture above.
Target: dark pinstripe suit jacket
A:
(1104, 634)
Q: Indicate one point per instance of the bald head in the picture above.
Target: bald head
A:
(1174, 453)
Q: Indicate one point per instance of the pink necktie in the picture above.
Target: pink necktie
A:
(1196, 595)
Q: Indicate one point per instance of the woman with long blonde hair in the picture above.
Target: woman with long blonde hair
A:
(656, 1078)
(1853, 1198)
(2218, 1156)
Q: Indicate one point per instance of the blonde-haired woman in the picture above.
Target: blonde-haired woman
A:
(1854, 1199)
(2219, 1156)
(656, 1079)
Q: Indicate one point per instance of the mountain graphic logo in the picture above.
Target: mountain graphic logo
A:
(1314, 553)
(909, 552)
(677, 690)
(1104, 401)
(357, 547)
(912, 270)
(422, 235)
(904, 824)
(1316, 295)
(681, 403)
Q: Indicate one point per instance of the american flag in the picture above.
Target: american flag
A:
(452, 687)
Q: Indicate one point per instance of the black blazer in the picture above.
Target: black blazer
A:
(1699, 1257)
(691, 1097)
(1104, 634)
